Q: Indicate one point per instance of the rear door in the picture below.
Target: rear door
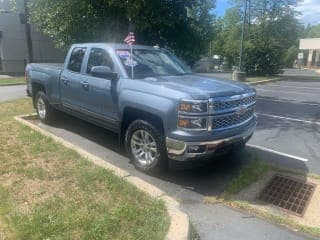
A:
(100, 94)
(71, 78)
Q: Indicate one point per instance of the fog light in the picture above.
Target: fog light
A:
(197, 149)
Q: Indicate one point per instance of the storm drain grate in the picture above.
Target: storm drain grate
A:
(287, 193)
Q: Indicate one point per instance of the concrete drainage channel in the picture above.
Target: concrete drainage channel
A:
(289, 194)
(180, 227)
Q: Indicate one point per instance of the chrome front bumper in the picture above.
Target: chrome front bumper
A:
(183, 151)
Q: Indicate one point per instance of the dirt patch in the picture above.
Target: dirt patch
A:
(8, 179)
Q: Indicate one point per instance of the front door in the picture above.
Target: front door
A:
(100, 92)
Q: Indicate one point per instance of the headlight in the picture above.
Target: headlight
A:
(193, 106)
(192, 123)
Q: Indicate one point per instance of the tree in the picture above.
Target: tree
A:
(312, 31)
(272, 30)
(184, 26)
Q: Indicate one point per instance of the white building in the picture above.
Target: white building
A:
(13, 45)
(313, 45)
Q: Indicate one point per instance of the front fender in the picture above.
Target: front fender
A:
(164, 108)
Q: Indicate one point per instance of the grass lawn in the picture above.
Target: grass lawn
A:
(49, 192)
(248, 174)
(12, 81)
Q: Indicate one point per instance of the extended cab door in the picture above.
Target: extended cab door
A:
(100, 96)
(71, 78)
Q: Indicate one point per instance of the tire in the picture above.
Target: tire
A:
(44, 111)
(145, 139)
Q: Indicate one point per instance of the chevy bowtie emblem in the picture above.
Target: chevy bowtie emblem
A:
(242, 110)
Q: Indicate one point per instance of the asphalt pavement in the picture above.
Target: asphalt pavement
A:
(289, 120)
(8, 93)
(190, 187)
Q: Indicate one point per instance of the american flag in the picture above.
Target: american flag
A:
(130, 39)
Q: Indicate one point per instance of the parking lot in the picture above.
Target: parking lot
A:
(287, 134)
(289, 120)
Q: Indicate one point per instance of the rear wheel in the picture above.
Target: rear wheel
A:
(44, 110)
(145, 145)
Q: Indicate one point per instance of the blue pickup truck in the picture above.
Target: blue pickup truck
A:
(160, 110)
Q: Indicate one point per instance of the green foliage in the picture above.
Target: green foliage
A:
(290, 56)
(272, 29)
(183, 26)
(312, 31)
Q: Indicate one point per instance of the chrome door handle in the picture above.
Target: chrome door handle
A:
(85, 85)
(65, 81)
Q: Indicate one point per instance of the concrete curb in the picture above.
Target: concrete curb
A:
(266, 81)
(179, 221)
(11, 84)
(302, 77)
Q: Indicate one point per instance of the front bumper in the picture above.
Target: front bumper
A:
(184, 151)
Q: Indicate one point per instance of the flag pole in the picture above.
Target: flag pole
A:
(131, 61)
(131, 52)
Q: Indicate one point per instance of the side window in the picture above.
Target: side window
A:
(76, 58)
(99, 57)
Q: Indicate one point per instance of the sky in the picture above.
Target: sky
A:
(310, 10)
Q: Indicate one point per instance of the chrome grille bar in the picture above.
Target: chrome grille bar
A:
(232, 111)
(229, 104)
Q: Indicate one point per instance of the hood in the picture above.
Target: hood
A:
(199, 87)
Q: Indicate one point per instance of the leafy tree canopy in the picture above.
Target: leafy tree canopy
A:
(271, 28)
(185, 26)
(312, 31)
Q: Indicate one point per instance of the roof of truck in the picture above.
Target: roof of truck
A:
(114, 45)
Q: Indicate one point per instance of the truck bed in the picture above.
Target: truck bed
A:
(46, 74)
(47, 66)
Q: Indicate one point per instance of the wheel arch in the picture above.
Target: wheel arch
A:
(36, 87)
(131, 114)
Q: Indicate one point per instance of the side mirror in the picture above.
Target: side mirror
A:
(104, 72)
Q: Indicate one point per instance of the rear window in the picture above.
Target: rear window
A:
(76, 59)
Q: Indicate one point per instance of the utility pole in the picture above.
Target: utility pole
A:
(242, 35)
(28, 31)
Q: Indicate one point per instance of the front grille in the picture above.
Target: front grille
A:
(231, 119)
(225, 105)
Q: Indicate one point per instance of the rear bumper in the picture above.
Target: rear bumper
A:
(184, 151)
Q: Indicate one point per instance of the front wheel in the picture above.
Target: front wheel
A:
(146, 147)
(44, 111)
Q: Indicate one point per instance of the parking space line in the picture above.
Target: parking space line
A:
(288, 101)
(290, 119)
(277, 152)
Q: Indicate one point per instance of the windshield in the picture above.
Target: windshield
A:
(150, 63)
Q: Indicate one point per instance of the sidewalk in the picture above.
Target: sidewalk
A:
(5, 76)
